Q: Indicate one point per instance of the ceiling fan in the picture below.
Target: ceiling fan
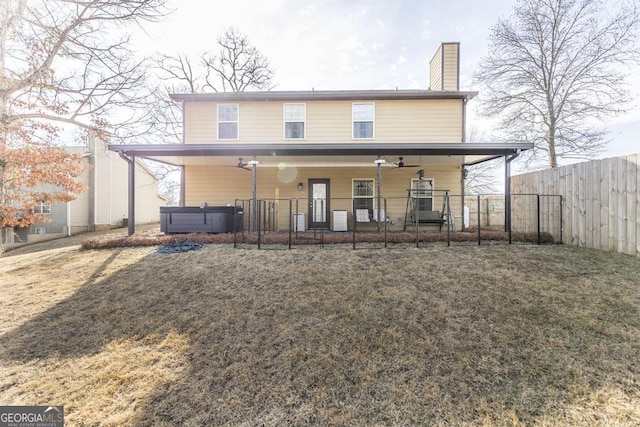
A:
(241, 165)
(402, 164)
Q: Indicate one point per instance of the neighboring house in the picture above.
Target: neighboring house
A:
(103, 204)
(336, 150)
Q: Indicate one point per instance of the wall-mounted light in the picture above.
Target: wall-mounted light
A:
(300, 186)
(465, 173)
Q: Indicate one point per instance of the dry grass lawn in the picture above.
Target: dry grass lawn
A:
(467, 335)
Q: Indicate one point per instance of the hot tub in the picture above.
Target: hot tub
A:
(207, 219)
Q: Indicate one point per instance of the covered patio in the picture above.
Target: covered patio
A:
(348, 154)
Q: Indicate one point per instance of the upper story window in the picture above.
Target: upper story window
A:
(43, 208)
(363, 114)
(294, 121)
(227, 121)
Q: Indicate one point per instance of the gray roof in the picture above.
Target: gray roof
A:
(322, 95)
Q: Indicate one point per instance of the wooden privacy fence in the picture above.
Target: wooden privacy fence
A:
(601, 201)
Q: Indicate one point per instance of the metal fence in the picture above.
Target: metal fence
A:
(416, 220)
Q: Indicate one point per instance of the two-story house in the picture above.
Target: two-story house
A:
(104, 203)
(330, 150)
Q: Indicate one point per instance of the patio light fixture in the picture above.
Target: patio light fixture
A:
(300, 186)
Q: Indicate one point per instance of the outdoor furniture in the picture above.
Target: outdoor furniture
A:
(428, 217)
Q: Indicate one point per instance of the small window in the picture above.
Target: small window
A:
(228, 121)
(294, 121)
(363, 115)
(363, 195)
(43, 208)
(41, 230)
(422, 194)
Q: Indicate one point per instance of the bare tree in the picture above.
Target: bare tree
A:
(556, 69)
(481, 178)
(238, 65)
(62, 67)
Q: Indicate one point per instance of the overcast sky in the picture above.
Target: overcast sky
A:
(354, 44)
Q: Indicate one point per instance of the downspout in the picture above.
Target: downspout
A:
(68, 219)
(507, 190)
(132, 192)
(183, 186)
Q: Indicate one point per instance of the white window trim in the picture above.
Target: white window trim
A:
(284, 121)
(237, 122)
(433, 189)
(45, 208)
(373, 121)
(373, 181)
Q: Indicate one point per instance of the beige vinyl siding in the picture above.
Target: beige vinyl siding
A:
(219, 186)
(419, 121)
(435, 70)
(444, 68)
(450, 72)
(331, 121)
(201, 122)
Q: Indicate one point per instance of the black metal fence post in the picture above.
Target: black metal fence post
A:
(256, 206)
(538, 216)
(386, 226)
(355, 221)
(446, 195)
(508, 216)
(290, 218)
(479, 237)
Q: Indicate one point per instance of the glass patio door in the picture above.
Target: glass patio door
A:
(318, 203)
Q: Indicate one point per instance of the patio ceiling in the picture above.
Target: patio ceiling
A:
(320, 154)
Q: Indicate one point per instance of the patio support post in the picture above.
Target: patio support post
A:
(507, 192)
(254, 192)
(132, 193)
(462, 179)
